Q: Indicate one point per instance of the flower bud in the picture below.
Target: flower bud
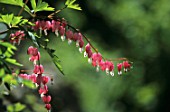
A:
(48, 106)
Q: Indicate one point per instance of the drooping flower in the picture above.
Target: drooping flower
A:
(39, 79)
(81, 43)
(102, 65)
(55, 26)
(119, 67)
(62, 32)
(96, 58)
(43, 90)
(42, 25)
(35, 58)
(75, 37)
(32, 78)
(24, 76)
(69, 36)
(63, 23)
(38, 69)
(109, 68)
(87, 48)
(48, 106)
(32, 51)
(126, 66)
(47, 27)
(37, 25)
(45, 79)
(46, 99)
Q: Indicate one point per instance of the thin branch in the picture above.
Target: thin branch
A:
(52, 14)
(84, 37)
(88, 40)
(20, 12)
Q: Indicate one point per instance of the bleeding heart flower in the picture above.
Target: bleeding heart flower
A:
(48, 106)
(45, 79)
(119, 67)
(46, 99)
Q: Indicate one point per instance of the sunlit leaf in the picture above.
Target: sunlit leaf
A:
(33, 4)
(16, 20)
(8, 45)
(7, 18)
(13, 61)
(71, 4)
(17, 3)
(43, 6)
(17, 107)
(29, 84)
(10, 19)
(25, 21)
(7, 78)
(2, 72)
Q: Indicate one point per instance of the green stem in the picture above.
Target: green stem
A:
(52, 14)
(20, 12)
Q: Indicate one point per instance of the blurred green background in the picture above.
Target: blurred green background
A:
(136, 29)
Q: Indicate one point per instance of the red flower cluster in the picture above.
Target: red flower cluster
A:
(108, 66)
(59, 27)
(16, 37)
(37, 77)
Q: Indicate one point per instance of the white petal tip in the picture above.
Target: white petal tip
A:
(89, 60)
(62, 37)
(56, 33)
(120, 73)
(45, 32)
(69, 42)
(81, 50)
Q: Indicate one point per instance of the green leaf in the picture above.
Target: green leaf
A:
(16, 20)
(17, 107)
(10, 19)
(8, 45)
(2, 72)
(29, 84)
(7, 18)
(7, 78)
(25, 21)
(33, 4)
(3, 27)
(10, 79)
(31, 35)
(17, 3)
(13, 61)
(43, 6)
(55, 59)
(39, 2)
(71, 4)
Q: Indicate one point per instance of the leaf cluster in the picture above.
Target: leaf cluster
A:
(71, 4)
